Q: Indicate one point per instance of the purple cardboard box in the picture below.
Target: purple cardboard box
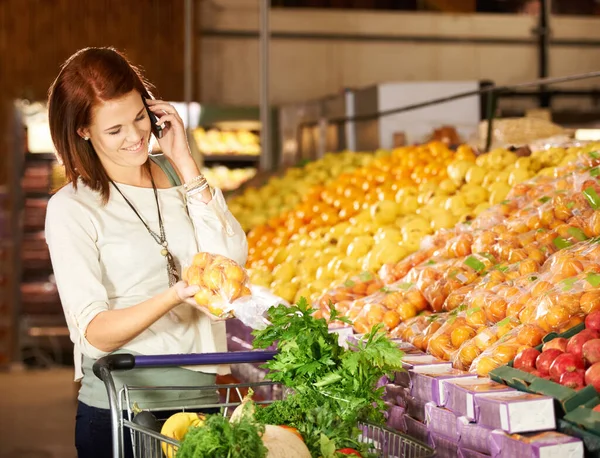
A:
(427, 383)
(416, 429)
(411, 362)
(460, 394)
(516, 412)
(415, 408)
(549, 444)
(441, 421)
(444, 446)
(395, 394)
(466, 453)
(472, 436)
(395, 418)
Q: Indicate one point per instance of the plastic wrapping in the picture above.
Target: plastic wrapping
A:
(523, 258)
(225, 290)
(506, 348)
(342, 296)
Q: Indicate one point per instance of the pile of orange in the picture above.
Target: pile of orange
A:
(350, 193)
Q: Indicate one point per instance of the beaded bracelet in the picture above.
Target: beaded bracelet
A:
(199, 180)
(196, 190)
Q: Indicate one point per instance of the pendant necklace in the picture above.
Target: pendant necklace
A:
(161, 239)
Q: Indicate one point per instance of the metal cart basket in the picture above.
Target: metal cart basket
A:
(146, 443)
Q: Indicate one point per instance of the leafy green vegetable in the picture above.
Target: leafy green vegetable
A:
(544, 199)
(218, 438)
(333, 388)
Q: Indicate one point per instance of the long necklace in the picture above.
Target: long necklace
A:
(161, 239)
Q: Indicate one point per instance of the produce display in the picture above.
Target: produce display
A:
(221, 142)
(473, 265)
(227, 179)
(572, 362)
(255, 207)
(379, 214)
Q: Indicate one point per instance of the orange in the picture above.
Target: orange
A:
(391, 319)
(406, 310)
(590, 302)
(485, 365)
(530, 335)
(212, 278)
(460, 335)
(475, 317)
(485, 338)
(439, 346)
(467, 354)
(556, 316)
(202, 260)
(505, 353)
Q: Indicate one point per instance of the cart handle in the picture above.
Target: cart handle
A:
(126, 361)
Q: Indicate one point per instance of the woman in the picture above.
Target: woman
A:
(119, 233)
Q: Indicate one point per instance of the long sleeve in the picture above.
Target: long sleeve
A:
(71, 236)
(217, 231)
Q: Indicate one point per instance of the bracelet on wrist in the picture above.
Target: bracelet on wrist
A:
(195, 182)
(197, 190)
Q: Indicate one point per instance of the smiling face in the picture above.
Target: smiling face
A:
(120, 133)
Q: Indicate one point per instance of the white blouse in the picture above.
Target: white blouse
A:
(104, 259)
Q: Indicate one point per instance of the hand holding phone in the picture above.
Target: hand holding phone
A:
(157, 130)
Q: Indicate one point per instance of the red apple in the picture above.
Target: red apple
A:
(591, 351)
(567, 362)
(575, 344)
(537, 373)
(574, 380)
(597, 408)
(592, 321)
(592, 376)
(545, 360)
(559, 342)
(525, 360)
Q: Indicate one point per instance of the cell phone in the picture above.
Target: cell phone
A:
(156, 129)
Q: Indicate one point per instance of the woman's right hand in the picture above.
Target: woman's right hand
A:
(185, 293)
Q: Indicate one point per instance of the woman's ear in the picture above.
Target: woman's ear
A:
(84, 133)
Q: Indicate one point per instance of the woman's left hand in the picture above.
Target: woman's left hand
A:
(174, 142)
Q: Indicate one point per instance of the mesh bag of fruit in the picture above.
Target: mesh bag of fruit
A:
(225, 290)
(504, 347)
(418, 330)
(342, 296)
(391, 305)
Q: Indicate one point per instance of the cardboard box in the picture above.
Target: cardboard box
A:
(461, 394)
(412, 362)
(516, 412)
(547, 444)
(441, 421)
(427, 383)
(472, 436)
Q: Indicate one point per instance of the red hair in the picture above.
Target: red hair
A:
(89, 77)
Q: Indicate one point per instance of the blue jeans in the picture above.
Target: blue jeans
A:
(93, 435)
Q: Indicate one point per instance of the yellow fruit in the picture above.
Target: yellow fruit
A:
(176, 427)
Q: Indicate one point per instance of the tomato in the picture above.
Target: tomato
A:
(349, 452)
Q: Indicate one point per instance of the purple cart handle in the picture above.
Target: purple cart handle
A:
(125, 361)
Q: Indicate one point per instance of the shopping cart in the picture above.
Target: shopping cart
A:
(147, 443)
